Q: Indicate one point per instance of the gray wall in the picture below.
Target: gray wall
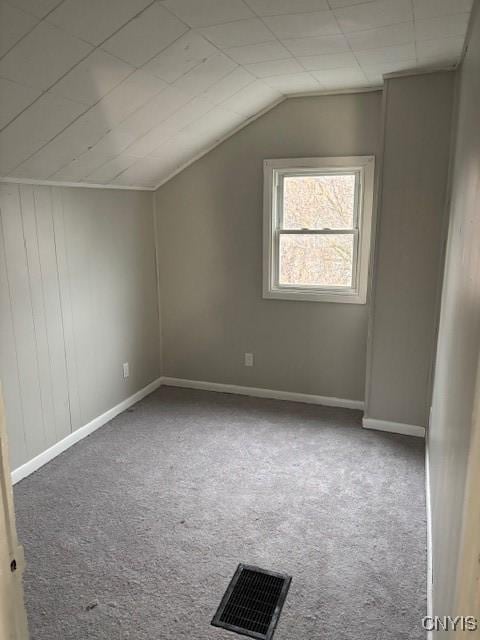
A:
(210, 254)
(459, 337)
(417, 125)
(78, 297)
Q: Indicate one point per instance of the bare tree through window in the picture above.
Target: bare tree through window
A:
(317, 202)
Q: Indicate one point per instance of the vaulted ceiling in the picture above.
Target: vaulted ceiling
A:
(125, 92)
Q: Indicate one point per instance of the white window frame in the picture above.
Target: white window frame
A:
(274, 171)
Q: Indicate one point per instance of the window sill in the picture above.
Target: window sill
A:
(353, 297)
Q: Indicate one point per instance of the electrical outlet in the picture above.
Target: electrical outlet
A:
(126, 370)
(249, 359)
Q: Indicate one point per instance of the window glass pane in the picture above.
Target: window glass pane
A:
(316, 260)
(318, 202)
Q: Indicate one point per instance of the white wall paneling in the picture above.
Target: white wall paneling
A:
(78, 295)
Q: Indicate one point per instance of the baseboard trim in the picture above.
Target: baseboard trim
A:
(394, 427)
(59, 447)
(257, 392)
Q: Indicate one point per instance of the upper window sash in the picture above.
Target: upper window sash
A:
(279, 176)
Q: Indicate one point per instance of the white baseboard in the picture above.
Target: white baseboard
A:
(394, 427)
(32, 465)
(263, 393)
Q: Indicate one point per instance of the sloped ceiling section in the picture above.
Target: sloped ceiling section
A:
(124, 92)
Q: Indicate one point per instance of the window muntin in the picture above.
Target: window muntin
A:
(317, 228)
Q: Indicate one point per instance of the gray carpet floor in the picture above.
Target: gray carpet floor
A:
(136, 531)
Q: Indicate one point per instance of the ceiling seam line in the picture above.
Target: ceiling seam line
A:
(40, 20)
(94, 48)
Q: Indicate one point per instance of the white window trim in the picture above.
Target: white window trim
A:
(365, 166)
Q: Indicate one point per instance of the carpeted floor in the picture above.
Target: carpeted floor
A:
(136, 531)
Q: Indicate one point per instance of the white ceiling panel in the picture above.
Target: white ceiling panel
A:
(112, 144)
(278, 7)
(376, 72)
(196, 112)
(319, 23)
(180, 57)
(95, 20)
(92, 126)
(153, 112)
(22, 137)
(443, 49)
(78, 169)
(275, 68)
(14, 24)
(178, 151)
(294, 83)
(144, 172)
(252, 99)
(152, 140)
(228, 85)
(345, 78)
(387, 54)
(425, 9)
(104, 150)
(263, 52)
(372, 15)
(205, 74)
(86, 131)
(212, 126)
(239, 33)
(145, 145)
(384, 37)
(14, 98)
(38, 8)
(184, 147)
(206, 13)
(182, 117)
(128, 91)
(442, 27)
(145, 36)
(129, 96)
(92, 78)
(110, 170)
(329, 61)
(317, 46)
(43, 56)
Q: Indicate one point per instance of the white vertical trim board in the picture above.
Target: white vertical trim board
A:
(428, 503)
(256, 392)
(59, 447)
(394, 427)
(157, 275)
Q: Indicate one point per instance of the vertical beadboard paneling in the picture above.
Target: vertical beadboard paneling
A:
(50, 291)
(9, 374)
(22, 314)
(78, 297)
(42, 354)
(81, 239)
(66, 308)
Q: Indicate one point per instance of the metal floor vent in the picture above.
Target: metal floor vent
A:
(253, 602)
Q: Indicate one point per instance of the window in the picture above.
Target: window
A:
(317, 223)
